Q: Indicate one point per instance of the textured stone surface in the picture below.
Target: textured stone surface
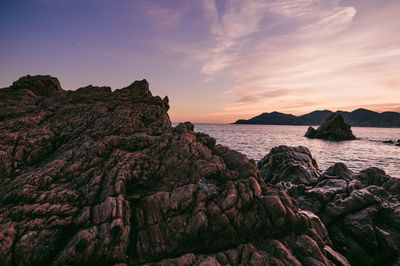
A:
(289, 164)
(334, 128)
(361, 211)
(39, 85)
(100, 177)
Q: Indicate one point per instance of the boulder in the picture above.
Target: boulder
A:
(361, 211)
(294, 165)
(39, 85)
(96, 176)
(334, 128)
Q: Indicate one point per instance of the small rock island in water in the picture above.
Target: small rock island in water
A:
(334, 128)
(100, 177)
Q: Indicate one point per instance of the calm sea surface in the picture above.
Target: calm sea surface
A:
(368, 150)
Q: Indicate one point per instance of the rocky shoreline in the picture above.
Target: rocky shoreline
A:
(361, 211)
(96, 176)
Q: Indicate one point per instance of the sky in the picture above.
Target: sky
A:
(217, 60)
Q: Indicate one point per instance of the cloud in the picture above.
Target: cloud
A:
(320, 58)
(331, 22)
(298, 55)
(255, 95)
(163, 16)
(211, 14)
(240, 20)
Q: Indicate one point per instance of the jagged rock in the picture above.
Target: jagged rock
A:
(166, 102)
(100, 177)
(361, 211)
(39, 85)
(294, 165)
(334, 128)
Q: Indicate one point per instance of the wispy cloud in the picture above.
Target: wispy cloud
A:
(322, 57)
(243, 20)
(297, 56)
(165, 16)
(330, 22)
(256, 96)
(240, 20)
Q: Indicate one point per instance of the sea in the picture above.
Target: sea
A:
(367, 151)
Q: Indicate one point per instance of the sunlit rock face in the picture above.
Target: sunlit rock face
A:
(361, 211)
(334, 128)
(99, 177)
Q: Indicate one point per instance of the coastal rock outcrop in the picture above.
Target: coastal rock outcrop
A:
(397, 143)
(334, 128)
(361, 211)
(96, 176)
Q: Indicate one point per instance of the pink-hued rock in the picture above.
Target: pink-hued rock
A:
(100, 177)
(361, 212)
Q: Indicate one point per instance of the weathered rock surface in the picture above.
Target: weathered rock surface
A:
(101, 178)
(334, 128)
(361, 211)
(289, 164)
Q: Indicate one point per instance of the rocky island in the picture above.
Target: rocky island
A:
(96, 176)
(334, 128)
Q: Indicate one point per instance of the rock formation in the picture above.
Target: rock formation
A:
(334, 128)
(101, 178)
(397, 143)
(39, 85)
(361, 211)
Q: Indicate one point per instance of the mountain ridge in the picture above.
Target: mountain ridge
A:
(360, 117)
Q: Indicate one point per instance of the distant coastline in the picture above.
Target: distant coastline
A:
(359, 118)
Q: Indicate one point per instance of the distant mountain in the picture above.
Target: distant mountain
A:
(359, 118)
(316, 117)
(275, 118)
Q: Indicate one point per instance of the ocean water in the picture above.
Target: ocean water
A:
(368, 150)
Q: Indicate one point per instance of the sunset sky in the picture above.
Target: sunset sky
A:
(217, 60)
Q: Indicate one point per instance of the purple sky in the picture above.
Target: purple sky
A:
(216, 60)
